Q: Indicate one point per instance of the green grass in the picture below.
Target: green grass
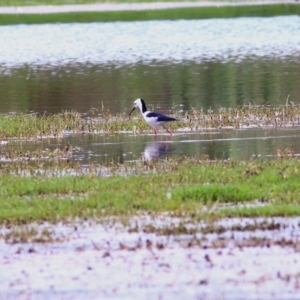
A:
(37, 126)
(182, 187)
(44, 189)
(29, 125)
(44, 125)
(68, 2)
(159, 14)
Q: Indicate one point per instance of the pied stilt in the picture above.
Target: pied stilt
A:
(152, 118)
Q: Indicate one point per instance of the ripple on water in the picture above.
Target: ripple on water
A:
(129, 42)
(109, 260)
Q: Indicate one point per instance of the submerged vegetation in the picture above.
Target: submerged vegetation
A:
(49, 186)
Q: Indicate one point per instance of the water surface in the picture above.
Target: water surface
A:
(218, 144)
(116, 261)
(173, 65)
(193, 63)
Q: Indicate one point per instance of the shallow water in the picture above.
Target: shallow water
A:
(149, 41)
(216, 144)
(192, 63)
(173, 65)
(109, 260)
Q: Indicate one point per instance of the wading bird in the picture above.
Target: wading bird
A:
(152, 118)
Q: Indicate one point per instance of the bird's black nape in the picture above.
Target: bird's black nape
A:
(144, 108)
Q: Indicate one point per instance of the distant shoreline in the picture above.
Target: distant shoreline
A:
(129, 12)
(107, 7)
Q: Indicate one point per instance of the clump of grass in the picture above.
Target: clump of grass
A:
(248, 116)
(217, 193)
(261, 225)
(192, 227)
(26, 234)
(38, 126)
(179, 229)
(12, 155)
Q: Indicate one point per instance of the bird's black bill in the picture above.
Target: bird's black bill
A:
(131, 111)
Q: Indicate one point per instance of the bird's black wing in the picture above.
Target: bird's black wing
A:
(160, 117)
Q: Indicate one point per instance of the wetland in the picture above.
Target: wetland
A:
(85, 187)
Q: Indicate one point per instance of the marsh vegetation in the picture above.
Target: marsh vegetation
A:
(48, 185)
(207, 223)
(38, 126)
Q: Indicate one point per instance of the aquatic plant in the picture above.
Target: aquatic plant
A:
(55, 125)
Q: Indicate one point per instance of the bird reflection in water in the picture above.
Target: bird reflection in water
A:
(157, 150)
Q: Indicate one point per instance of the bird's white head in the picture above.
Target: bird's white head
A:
(140, 103)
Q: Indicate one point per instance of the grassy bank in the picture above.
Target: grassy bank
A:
(191, 187)
(159, 14)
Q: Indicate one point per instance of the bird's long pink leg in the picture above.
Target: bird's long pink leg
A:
(154, 131)
(168, 130)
